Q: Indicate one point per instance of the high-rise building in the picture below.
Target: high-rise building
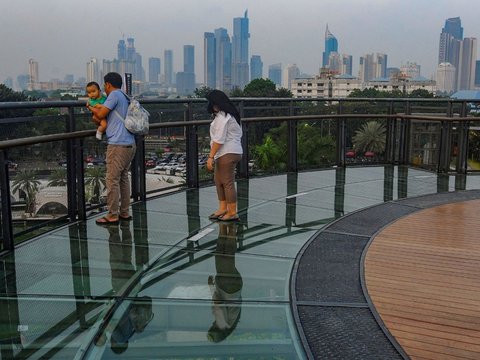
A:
(33, 76)
(275, 74)
(93, 71)
(8, 82)
(240, 68)
(446, 78)
(121, 50)
(223, 60)
(131, 49)
(452, 31)
(189, 58)
(22, 81)
(291, 72)
(477, 73)
(209, 60)
(256, 67)
(168, 67)
(139, 73)
(185, 80)
(466, 65)
(154, 70)
(331, 45)
(372, 66)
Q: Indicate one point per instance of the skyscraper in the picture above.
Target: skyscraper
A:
(93, 72)
(256, 67)
(331, 45)
(168, 66)
(446, 78)
(275, 74)
(452, 32)
(466, 65)
(131, 49)
(372, 66)
(223, 60)
(121, 50)
(291, 72)
(209, 60)
(189, 58)
(154, 66)
(33, 76)
(240, 57)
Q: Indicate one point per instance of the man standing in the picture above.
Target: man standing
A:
(120, 149)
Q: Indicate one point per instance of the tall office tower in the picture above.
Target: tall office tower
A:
(410, 70)
(223, 60)
(452, 31)
(477, 73)
(139, 71)
(189, 58)
(154, 70)
(68, 79)
(372, 66)
(347, 64)
(121, 50)
(168, 67)
(446, 78)
(240, 68)
(209, 60)
(331, 45)
(93, 73)
(275, 74)
(291, 72)
(131, 49)
(33, 77)
(186, 80)
(466, 66)
(256, 67)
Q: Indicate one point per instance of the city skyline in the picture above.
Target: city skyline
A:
(399, 29)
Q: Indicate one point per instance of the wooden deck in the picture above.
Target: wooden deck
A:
(423, 276)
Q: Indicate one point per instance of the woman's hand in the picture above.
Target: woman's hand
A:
(210, 164)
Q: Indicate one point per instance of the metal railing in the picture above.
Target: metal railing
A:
(399, 115)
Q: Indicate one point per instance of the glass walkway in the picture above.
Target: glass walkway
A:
(171, 284)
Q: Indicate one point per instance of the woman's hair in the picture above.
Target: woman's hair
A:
(219, 98)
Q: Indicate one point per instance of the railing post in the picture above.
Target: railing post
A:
(341, 138)
(192, 149)
(137, 170)
(445, 143)
(292, 141)
(462, 146)
(74, 162)
(6, 211)
(390, 136)
(404, 137)
(242, 169)
(80, 178)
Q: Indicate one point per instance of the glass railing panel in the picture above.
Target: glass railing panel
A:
(473, 159)
(365, 141)
(268, 149)
(424, 143)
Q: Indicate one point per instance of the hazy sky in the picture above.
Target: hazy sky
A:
(62, 35)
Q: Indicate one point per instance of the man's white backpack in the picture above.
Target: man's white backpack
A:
(136, 120)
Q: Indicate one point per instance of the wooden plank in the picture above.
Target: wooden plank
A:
(422, 274)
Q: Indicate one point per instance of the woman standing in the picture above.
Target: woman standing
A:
(225, 152)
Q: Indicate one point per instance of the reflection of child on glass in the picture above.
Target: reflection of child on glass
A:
(226, 286)
(95, 97)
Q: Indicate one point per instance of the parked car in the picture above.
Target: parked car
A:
(150, 163)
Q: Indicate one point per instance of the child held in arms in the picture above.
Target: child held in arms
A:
(96, 98)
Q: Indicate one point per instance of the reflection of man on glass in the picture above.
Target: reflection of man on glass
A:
(226, 286)
(136, 318)
(120, 247)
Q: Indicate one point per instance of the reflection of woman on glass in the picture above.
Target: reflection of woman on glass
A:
(226, 151)
(227, 285)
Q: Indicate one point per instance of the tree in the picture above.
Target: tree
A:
(420, 93)
(27, 182)
(58, 178)
(371, 137)
(95, 179)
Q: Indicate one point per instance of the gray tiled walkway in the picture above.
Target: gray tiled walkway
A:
(172, 284)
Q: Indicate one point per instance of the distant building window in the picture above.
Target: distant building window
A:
(309, 91)
(309, 84)
(320, 84)
(299, 84)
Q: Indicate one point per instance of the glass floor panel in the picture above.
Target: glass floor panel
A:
(173, 284)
